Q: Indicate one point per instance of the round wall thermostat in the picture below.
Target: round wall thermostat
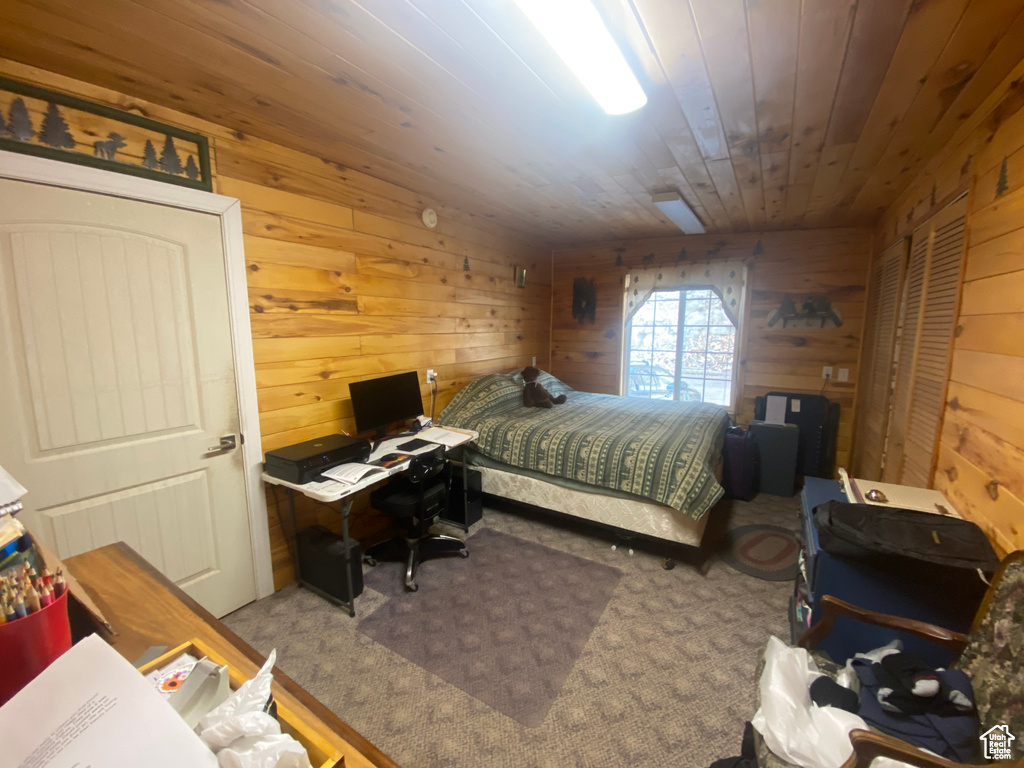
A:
(429, 217)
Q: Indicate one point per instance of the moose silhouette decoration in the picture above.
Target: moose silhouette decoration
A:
(107, 149)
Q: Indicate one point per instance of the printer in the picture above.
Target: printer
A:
(303, 462)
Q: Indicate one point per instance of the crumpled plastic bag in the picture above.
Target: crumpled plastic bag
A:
(280, 751)
(793, 727)
(242, 735)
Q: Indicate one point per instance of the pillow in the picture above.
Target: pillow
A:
(554, 386)
(549, 382)
(484, 394)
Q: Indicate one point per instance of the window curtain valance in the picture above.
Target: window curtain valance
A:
(726, 278)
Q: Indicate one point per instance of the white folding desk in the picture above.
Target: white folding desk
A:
(330, 491)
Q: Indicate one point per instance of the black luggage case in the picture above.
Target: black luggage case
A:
(741, 464)
(942, 553)
(867, 531)
(818, 420)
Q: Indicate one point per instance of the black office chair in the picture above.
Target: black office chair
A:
(416, 499)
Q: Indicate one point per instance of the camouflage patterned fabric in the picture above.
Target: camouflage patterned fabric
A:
(994, 656)
(655, 449)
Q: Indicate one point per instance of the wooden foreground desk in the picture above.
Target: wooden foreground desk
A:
(146, 609)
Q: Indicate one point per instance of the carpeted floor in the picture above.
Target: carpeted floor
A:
(665, 678)
(505, 625)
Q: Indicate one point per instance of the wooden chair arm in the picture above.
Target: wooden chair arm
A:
(868, 745)
(833, 607)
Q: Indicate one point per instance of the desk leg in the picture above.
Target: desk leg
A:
(295, 534)
(465, 492)
(346, 507)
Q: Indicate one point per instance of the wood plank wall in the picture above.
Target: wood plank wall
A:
(346, 283)
(829, 262)
(981, 451)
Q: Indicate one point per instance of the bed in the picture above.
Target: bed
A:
(639, 466)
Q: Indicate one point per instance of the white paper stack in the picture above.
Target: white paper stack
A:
(775, 409)
(91, 707)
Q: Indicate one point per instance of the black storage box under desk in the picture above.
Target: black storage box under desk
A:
(457, 511)
(321, 563)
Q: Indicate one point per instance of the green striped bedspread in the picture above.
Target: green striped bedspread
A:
(659, 450)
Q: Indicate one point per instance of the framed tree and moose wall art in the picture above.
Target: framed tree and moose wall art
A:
(37, 121)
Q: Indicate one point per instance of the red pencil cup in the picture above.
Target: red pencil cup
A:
(29, 645)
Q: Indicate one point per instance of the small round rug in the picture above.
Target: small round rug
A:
(764, 551)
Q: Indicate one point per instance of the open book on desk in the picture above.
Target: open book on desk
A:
(353, 472)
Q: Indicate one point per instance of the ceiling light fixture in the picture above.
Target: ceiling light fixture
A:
(673, 206)
(576, 32)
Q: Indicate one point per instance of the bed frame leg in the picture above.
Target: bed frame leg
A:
(705, 554)
(700, 557)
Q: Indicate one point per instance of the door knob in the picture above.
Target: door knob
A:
(227, 443)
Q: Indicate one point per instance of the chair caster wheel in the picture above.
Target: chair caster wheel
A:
(463, 553)
(669, 564)
(370, 561)
(412, 587)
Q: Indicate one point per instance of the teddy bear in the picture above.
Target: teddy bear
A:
(534, 394)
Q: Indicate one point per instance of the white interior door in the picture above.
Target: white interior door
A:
(118, 381)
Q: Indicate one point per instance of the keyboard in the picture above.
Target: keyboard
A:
(414, 444)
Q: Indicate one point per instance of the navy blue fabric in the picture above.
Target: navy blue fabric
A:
(953, 736)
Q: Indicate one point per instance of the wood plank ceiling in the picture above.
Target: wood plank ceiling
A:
(764, 114)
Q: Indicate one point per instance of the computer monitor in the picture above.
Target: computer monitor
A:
(378, 403)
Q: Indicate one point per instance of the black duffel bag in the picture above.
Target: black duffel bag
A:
(908, 543)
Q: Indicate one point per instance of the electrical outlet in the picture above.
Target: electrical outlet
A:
(431, 374)
(826, 372)
(844, 374)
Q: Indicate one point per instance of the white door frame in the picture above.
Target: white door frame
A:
(57, 174)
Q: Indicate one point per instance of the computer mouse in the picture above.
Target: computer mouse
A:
(388, 457)
(876, 495)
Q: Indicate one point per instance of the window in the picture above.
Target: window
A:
(681, 346)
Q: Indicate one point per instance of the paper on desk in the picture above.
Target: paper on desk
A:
(351, 473)
(91, 707)
(444, 436)
(775, 409)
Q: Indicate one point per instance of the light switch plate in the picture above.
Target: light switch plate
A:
(844, 374)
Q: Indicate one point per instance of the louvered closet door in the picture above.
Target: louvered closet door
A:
(906, 341)
(929, 320)
(879, 346)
